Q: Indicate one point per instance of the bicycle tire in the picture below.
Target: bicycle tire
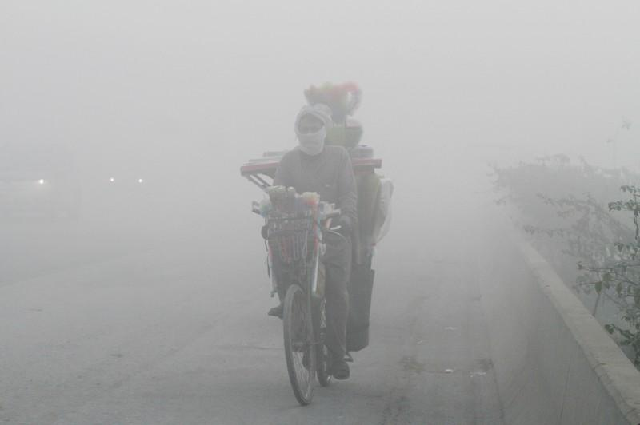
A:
(298, 340)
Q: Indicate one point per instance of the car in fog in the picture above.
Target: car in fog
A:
(123, 190)
(38, 179)
(123, 186)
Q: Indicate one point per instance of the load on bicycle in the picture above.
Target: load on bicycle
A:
(329, 170)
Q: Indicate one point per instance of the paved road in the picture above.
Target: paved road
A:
(173, 330)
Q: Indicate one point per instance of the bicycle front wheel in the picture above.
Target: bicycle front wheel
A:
(298, 343)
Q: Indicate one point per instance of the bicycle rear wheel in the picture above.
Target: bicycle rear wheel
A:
(298, 343)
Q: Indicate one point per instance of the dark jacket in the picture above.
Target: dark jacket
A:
(330, 174)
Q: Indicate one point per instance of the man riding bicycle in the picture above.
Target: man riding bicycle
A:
(326, 170)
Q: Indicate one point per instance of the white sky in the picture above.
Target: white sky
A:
(161, 82)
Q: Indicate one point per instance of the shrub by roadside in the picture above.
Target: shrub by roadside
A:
(567, 209)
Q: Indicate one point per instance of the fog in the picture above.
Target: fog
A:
(169, 99)
(187, 93)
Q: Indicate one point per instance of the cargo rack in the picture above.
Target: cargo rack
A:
(260, 171)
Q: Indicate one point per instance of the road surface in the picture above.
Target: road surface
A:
(104, 324)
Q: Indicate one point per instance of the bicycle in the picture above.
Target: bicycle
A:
(295, 226)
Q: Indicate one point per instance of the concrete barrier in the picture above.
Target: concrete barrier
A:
(554, 363)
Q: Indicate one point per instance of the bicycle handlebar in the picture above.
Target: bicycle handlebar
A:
(332, 214)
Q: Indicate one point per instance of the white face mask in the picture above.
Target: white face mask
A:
(312, 143)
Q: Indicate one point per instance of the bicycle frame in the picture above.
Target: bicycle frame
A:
(294, 230)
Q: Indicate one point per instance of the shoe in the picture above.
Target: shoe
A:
(276, 311)
(340, 369)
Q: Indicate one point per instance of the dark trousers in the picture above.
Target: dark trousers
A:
(337, 261)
